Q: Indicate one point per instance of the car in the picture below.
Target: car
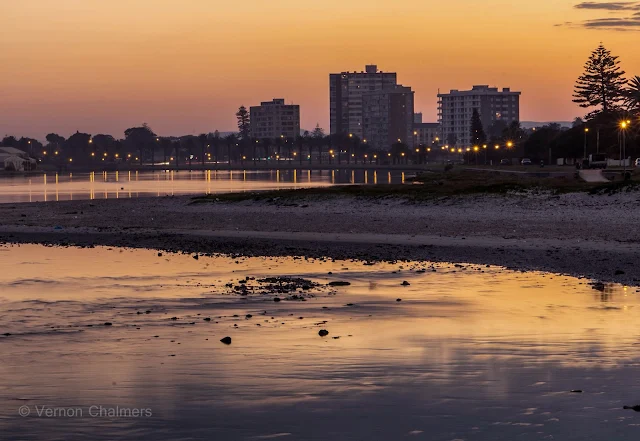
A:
(505, 162)
(525, 161)
(638, 162)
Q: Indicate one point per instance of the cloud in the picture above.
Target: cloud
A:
(619, 21)
(609, 6)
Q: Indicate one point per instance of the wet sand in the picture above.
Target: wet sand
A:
(470, 352)
(576, 234)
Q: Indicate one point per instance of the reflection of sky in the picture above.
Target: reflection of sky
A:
(469, 353)
(132, 184)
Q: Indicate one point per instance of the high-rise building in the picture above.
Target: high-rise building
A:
(426, 134)
(346, 90)
(273, 119)
(455, 110)
(388, 117)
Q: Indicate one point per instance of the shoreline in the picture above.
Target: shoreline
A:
(574, 234)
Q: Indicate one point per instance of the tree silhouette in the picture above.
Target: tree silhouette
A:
(140, 139)
(203, 140)
(633, 95)
(244, 123)
(602, 85)
(478, 136)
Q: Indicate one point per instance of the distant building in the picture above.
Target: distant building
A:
(455, 110)
(388, 116)
(273, 119)
(346, 90)
(426, 134)
(417, 118)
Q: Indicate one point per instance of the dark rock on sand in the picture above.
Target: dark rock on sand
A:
(636, 408)
(405, 283)
(576, 391)
(323, 333)
(339, 283)
(226, 340)
(276, 299)
(207, 319)
(398, 300)
(108, 324)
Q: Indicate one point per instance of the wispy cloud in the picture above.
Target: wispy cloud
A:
(609, 6)
(624, 16)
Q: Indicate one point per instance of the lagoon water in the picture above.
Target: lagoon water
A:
(46, 187)
(469, 353)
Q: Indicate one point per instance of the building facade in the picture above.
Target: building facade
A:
(455, 110)
(388, 117)
(273, 119)
(346, 90)
(426, 134)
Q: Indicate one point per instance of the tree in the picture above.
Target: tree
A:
(9, 141)
(602, 85)
(140, 139)
(478, 136)
(244, 123)
(578, 122)
(632, 97)
(231, 141)
(203, 140)
(317, 139)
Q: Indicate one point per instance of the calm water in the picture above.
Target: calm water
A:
(103, 185)
(470, 353)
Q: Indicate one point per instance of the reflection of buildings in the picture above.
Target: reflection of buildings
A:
(455, 110)
(273, 119)
(346, 91)
(388, 117)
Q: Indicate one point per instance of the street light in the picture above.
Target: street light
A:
(586, 130)
(623, 126)
(509, 144)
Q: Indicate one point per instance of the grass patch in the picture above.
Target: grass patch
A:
(429, 186)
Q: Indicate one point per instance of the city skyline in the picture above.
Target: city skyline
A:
(98, 68)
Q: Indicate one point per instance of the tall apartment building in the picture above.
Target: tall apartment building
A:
(426, 134)
(273, 119)
(346, 90)
(388, 116)
(455, 110)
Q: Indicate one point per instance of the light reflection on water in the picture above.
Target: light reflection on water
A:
(469, 353)
(131, 184)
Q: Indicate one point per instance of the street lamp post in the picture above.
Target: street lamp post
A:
(586, 130)
(623, 126)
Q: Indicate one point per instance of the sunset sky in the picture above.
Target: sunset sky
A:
(184, 66)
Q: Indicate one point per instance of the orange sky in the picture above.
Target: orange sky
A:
(184, 66)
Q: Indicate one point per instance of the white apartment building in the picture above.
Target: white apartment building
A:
(346, 90)
(273, 119)
(455, 110)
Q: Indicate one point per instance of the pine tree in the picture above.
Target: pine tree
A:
(602, 85)
(478, 137)
(244, 125)
(633, 95)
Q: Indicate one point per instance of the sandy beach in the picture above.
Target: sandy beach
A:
(577, 234)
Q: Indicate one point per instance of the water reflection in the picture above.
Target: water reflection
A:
(468, 353)
(58, 187)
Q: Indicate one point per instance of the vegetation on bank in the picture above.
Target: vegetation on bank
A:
(434, 185)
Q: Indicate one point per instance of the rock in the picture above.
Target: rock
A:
(108, 324)
(398, 300)
(576, 391)
(636, 408)
(174, 318)
(159, 254)
(207, 319)
(226, 340)
(323, 333)
(6, 334)
(276, 299)
(248, 316)
(339, 283)
(195, 256)
(405, 283)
